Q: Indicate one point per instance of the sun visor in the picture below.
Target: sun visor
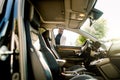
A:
(82, 5)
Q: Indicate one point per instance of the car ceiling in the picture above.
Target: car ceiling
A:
(63, 13)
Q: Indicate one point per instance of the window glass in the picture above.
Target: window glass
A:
(106, 28)
(68, 38)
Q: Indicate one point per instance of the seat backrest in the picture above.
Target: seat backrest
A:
(48, 59)
(47, 40)
(51, 60)
(37, 66)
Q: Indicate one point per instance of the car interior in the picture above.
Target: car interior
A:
(70, 15)
(55, 68)
(27, 44)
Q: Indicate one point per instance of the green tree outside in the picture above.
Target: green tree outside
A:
(99, 28)
(80, 40)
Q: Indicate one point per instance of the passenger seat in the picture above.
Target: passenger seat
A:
(54, 66)
(42, 65)
(56, 55)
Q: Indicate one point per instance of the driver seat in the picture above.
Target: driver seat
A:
(47, 39)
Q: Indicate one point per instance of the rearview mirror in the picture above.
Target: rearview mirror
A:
(95, 14)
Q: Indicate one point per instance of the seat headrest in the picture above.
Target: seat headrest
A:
(33, 16)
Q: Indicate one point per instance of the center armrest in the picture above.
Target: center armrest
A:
(61, 62)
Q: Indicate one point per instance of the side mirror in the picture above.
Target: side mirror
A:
(95, 14)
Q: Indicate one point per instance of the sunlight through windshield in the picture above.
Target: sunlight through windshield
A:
(111, 14)
(110, 19)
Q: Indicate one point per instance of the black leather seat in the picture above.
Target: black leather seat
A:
(53, 65)
(83, 77)
(47, 39)
(51, 60)
(56, 55)
(37, 66)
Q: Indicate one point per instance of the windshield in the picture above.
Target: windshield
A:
(107, 26)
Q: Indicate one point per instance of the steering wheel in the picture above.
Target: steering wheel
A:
(83, 48)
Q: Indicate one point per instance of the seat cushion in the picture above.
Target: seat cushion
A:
(83, 77)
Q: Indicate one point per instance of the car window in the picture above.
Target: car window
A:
(68, 38)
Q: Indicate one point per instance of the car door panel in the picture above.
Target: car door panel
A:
(70, 54)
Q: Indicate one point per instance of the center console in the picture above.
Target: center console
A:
(106, 68)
